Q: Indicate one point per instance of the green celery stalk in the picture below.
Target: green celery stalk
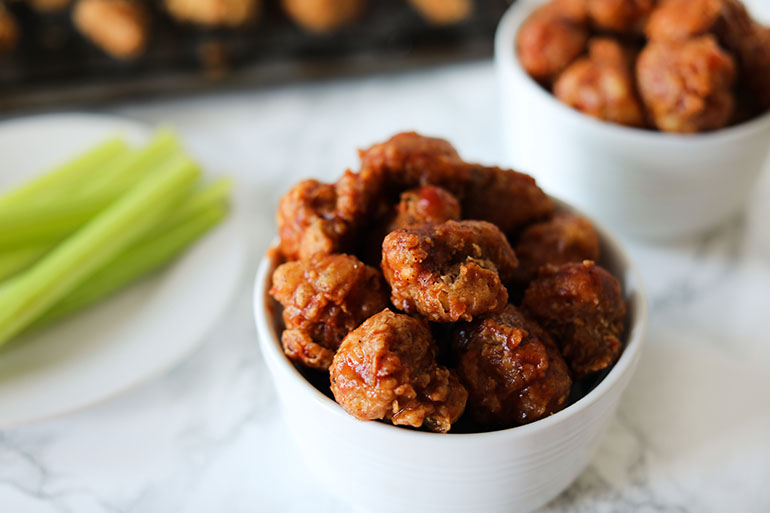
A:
(134, 264)
(212, 194)
(19, 258)
(125, 172)
(65, 174)
(58, 215)
(11, 262)
(31, 293)
(47, 222)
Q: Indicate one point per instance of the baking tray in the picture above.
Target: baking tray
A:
(54, 67)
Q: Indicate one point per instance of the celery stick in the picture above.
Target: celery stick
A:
(11, 262)
(216, 191)
(126, 172)
(66, 174)
(212, 194)
(58, 215)
(135, 263)
(47, 222)
(32, 293)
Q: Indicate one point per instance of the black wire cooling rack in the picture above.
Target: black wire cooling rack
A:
(54, 67)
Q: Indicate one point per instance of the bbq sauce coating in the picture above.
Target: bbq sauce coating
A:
(386, 369)
(448, 272)
(512, 369)
(323, 299)
(581, 306)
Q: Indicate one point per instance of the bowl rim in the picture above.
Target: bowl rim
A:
(507, 61)
(275, 358)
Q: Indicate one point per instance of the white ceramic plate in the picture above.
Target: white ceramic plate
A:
(131, 337)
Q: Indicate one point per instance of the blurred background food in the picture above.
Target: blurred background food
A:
(9, 30)
(68, 52)
(444, 12)
(323, 15)
(119, 27)
(214, 13)
(681, 66)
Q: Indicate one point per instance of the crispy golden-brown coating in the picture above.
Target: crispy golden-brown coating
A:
(426, 204)
(602, 84)
(309, 222)
(405, 161)
(706, 64)
(562, 239)
(683, 19)
(323, 15)
(411, 154)
(214, 13)
(517, 363)
(363, 199)
(581, 305)
(511, 368)
(620, 15)
(732, 25)
(323, 299)
(575, 10)
(409, 160)
(386, 369)
(687, 86)
(9, 30)
(119, 27)
(444, 12)
(504, 197)
(448, 272)
(551, 38)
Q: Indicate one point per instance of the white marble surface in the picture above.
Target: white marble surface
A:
(692, 434)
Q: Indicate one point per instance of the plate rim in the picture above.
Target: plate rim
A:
(145, 129)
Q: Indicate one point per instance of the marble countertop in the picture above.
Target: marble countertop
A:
(692, 433)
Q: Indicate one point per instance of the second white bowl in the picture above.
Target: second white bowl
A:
(640, 182)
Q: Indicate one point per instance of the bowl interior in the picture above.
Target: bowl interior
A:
(614, 258)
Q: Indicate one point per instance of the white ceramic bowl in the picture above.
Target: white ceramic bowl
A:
(640, 182)
(382, 468)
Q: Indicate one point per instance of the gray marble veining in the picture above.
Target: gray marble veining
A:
(692, 434)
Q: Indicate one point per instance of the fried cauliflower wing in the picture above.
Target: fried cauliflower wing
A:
(602, 84)
(687, 86)
(450, 271)
(506, 198)
(323, 299)
(511, 368)
(386, 369)
(551, 38)
(582, 307)
(309, 222)
(622, 16)
(426, 204)
(560, 240)
(678, 20)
